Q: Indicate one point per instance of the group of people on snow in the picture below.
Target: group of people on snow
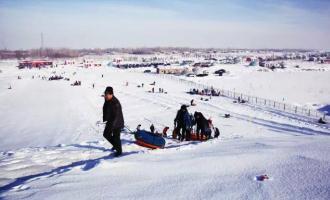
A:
(185, 122)
(206, 92)
(161, 90)
(76, 83)
(55, 77)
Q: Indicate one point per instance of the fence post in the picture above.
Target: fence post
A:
(309, 112)
(274, 104)
(256, 100)
(284, 106)
(295, 110)
(265, 101)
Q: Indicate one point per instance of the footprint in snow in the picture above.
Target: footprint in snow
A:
(21, 188)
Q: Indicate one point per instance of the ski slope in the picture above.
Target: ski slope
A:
(52, 145)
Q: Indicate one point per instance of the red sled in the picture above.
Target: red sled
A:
(193, 137)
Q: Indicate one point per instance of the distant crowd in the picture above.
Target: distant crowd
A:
(206, 92)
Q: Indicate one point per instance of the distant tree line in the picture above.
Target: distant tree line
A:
(54, 53)
(38, 53)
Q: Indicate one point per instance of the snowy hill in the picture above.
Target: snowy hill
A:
(52, 145)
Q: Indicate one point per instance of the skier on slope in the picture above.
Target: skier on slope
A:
(113, 116)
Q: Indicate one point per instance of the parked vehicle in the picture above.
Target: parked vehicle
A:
(201, 75)
(191, 75)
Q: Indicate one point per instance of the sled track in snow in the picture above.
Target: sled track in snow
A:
(299, 123)
(298, 129)
(301, 119)
(266, 106)
(177, 100)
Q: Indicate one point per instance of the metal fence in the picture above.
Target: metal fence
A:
(252, 100)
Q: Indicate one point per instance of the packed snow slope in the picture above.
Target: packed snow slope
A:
(52, 146)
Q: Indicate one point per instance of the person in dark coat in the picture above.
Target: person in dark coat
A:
(179, 122)
(188, 122)
(198, 121)
(202, 124)
(113, 116)
(152, 128)
(321, 121)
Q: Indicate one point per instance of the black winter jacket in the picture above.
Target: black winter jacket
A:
(113, 114)
(179, 119)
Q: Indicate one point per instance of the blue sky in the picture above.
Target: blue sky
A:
(148, 23)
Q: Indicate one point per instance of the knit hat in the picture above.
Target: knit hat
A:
(108, 90)
(184, 107)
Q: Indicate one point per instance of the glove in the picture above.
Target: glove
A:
(109, 128)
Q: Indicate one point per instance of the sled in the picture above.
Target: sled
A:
(149, 140)
(193, 137)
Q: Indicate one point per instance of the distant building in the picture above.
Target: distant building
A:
(248, 59)
(272, 65)
(69, 62)
(254, 63)
(34, 64)
(325, 61)
(237, 60)
(202, 64)
(91, 63)
(173, 70)
(126, 65)
(312, 59)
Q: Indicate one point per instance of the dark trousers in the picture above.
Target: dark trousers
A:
(188, 132)
(198, 131)
(181, 131)
(113, 136)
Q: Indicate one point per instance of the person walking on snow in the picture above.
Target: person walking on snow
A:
(113, 116)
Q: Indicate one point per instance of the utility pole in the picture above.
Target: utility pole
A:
(42, 43)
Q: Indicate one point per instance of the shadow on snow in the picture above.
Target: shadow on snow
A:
(86, 165)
